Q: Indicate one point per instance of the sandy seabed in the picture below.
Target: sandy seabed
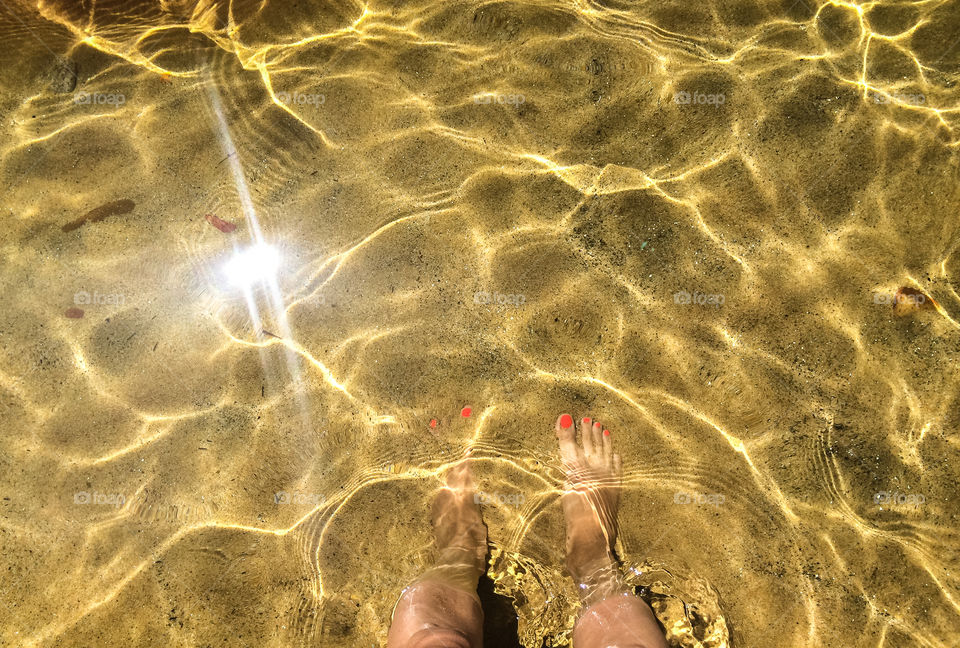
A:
(728, 230)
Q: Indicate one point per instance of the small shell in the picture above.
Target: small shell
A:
(909, 300)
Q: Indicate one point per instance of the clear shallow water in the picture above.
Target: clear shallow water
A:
(686, 221)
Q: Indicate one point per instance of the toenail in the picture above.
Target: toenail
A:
(566, 421)
(465, 412)
(606, 433)
(586, 419)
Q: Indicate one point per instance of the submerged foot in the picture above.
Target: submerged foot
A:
(590, 500)
(441, 607)
(459, 530)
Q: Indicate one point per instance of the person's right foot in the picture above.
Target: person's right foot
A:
(591, 497)
(460, 534)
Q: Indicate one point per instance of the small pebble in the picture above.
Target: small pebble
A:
(63, 76)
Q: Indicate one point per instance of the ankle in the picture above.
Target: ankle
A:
(598, 579)
(457, 555)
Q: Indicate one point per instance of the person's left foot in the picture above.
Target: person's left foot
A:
(460, 533)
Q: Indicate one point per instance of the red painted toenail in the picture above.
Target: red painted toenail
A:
(586, 419)
(566, 421)
(433, 422)
(606, 433)
(465, 412)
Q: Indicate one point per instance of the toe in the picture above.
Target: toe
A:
(586, 436)
(608, 447)
(569, 450)
(585, 432)
(596, 440)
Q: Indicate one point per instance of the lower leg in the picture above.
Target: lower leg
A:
(433, 614)
(623, 621)
(613, 616)
(441, 608)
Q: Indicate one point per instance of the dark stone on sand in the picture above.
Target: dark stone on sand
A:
(113, 208)
(63, 76)
(74, 312)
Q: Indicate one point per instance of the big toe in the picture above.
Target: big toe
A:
(567, 436)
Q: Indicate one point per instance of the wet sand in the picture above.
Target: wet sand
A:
(727, 230)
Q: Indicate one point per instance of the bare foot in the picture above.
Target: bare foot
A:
(591, 498)
(460, 533)
(441, 607)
